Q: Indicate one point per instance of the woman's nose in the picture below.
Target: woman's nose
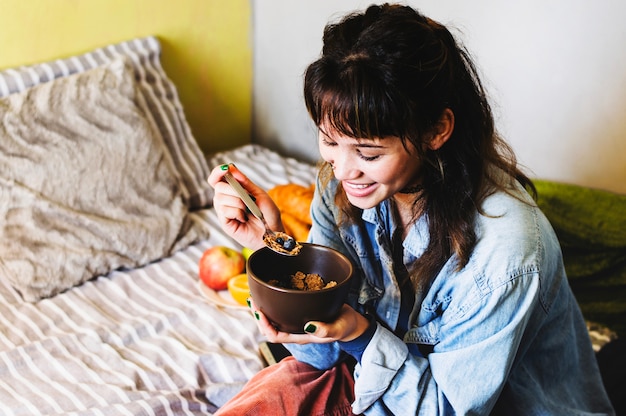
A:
(341, 168)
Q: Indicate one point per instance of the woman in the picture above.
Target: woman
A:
(461, 304)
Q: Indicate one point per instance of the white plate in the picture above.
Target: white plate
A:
(220, 298)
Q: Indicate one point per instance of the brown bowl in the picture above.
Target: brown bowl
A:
(290, 309)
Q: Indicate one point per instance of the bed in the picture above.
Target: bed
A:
(136, 334)
(105, 215)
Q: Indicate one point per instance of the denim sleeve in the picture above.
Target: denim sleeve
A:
(357, 346)
(320, 356)
(389, 380)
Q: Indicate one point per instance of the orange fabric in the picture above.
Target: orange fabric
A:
(295, 227)
(294, 203)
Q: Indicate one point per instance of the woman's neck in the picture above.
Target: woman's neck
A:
(407, 210)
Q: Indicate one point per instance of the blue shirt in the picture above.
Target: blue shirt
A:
(504, 335)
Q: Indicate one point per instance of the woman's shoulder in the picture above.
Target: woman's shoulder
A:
(512, 210)
(513, 234)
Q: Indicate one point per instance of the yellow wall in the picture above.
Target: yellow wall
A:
(206, 45)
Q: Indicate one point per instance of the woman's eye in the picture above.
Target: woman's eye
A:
(368, 158)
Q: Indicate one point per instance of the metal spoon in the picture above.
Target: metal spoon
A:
(279, 242)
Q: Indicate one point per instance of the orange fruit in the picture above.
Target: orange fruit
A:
(239, 289)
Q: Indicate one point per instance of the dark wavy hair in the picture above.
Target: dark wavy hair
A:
(390, 71)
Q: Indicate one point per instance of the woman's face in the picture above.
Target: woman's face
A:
(370, 170)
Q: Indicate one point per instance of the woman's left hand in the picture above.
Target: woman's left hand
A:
(348, 326)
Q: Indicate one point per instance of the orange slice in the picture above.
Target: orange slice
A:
(239, 289)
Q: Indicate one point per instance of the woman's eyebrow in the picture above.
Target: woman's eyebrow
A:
(359, 143)
(368, 144)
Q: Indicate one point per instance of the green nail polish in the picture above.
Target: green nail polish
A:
(248, 302)
(257, 316)
(310, 328)
(224, 167)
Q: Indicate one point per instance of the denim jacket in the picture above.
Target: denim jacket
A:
(504, 335)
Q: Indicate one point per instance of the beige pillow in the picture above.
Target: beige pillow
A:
(86, 183)
(159, 99)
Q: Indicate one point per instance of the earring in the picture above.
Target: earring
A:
(440, 165)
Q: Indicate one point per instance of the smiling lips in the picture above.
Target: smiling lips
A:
(358, 190)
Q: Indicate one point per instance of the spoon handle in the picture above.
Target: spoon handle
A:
(245, 197)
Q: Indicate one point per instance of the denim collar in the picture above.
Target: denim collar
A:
(416, 240)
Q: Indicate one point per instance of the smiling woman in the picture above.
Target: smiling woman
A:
(457, 281)
(205, 47)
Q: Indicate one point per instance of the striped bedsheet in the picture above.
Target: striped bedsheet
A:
(136, 342)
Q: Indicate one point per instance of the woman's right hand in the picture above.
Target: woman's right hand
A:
(233, 216)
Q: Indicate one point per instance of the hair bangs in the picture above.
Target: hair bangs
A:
(354, 100)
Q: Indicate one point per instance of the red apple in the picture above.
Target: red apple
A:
(218, 264)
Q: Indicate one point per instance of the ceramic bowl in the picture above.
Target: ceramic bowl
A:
(290, 309)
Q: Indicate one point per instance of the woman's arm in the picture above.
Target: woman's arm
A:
(468, 368)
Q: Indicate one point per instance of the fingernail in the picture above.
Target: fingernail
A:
(224, 167)
(310, 328)
(248, 302)
(257, 316)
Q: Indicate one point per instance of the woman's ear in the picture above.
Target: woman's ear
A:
(443, 130)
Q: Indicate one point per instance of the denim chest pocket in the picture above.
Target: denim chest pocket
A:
(358, 247)
(430, 320)
(368, 294)
(366, 256)
(369, 291)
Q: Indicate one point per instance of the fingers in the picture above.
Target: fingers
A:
(217, 174)
(225, 195)
(232, 214)
(266, 205)
(274, 335)
(227, 203)
(216, 177)
(348, 326)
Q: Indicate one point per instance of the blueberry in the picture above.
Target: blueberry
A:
(290, 244)
(280, 241)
